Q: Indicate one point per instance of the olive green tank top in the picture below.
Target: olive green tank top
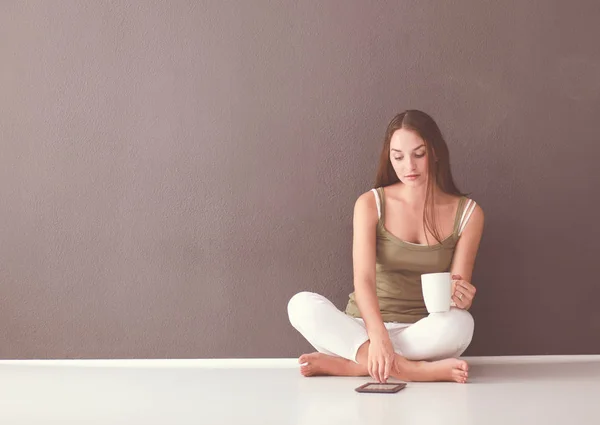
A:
(399, 266)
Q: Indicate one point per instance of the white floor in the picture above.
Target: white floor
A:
(503, 390)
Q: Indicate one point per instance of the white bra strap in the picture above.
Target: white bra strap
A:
(378, 202)
(467, 212)
(462, 217)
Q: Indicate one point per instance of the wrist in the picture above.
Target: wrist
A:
(378, 334)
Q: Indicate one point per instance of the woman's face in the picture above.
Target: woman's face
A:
(408, 155)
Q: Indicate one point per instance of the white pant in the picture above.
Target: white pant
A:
(330, 331)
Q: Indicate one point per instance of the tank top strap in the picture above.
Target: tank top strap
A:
(459, 213)
(382, 201)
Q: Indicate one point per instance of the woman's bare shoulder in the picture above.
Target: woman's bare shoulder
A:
(366, 200)
(365, 207)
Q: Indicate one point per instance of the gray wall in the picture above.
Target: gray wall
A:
(172, 172)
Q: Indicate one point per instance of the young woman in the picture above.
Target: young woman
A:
(415, 221)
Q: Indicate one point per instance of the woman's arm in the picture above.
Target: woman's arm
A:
(363, 257)
(381, 352)
(464, 258)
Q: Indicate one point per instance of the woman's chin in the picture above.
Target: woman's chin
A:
(414, 183)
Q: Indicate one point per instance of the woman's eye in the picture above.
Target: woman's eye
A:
(398, 158)
(419, 155)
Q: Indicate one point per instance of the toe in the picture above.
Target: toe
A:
(306, 371)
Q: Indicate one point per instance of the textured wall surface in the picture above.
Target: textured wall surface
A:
(171, 173)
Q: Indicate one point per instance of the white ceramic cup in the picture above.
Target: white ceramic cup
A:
(437, 289)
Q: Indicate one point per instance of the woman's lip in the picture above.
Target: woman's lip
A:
(412, 175)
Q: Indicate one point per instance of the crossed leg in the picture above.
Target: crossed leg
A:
(425, 351)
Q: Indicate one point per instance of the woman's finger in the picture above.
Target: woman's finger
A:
(388, 366)
(459, 303)
(465, 297)
(463, 303)
(466, 286)
(382, 371)
(372, 370)
(459, 294)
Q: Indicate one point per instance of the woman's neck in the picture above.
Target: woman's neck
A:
(415, 196)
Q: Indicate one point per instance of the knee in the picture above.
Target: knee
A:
(458, 330)
(463, 324)
(300, 308)
(449, 335)
(460, 319)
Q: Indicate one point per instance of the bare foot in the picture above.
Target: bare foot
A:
(452, 370)
(319, 364)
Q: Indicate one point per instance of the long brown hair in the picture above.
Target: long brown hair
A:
(438, 160)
